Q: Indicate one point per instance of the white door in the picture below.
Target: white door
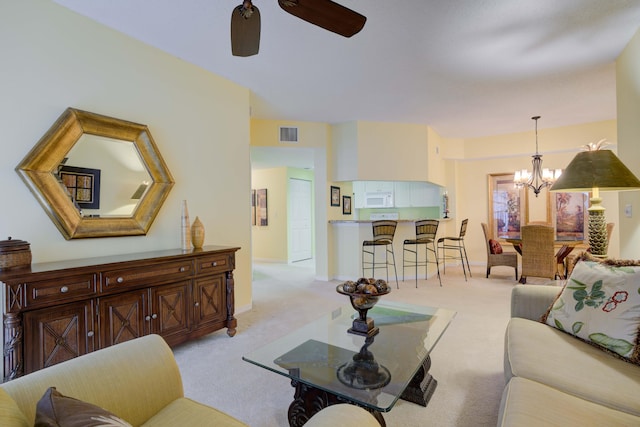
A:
(300, 220)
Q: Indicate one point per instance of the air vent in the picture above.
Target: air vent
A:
(288, 134)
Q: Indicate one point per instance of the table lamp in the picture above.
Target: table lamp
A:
(596, 170)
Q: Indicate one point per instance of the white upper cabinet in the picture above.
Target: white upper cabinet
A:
(403, 194)
(406, 194)
(378, 186)
(358, 194)
(416, 194)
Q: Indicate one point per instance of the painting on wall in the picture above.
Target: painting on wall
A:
(346, 205)
(569, 214)
(335, 196)
(508, 206)
(261, 207)
(83, 185)
(253, 207)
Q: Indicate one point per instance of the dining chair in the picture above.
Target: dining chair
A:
(383, 232)
(496, 256)
(426, 231)
(538, 253)
(454, 243)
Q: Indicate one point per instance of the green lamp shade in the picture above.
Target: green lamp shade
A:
(596, 169)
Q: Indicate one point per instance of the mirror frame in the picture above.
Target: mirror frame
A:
(38, 170)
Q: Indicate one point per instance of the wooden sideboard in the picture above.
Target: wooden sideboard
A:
(60, 310)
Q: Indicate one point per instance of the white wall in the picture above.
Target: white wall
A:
(628, 101)
(52, 59)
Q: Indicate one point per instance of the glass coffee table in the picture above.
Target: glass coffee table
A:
(328, 365)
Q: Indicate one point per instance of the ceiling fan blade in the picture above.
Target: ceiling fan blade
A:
(245, 30)
(326, 14)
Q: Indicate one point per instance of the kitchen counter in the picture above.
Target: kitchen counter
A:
(346, 237)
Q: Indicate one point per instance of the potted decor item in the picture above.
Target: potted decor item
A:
(197, 234)
(14, 254)
(363, 294)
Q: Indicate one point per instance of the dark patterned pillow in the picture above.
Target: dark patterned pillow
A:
(56, 410)
(496, 247)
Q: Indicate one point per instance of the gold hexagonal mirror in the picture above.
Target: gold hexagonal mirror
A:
(97, 176)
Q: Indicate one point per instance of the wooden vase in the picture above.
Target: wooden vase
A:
(197, 233)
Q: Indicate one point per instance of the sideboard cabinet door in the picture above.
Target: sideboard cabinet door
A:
(122, 317)
(209, 301)
(56, 334)
(170, 311)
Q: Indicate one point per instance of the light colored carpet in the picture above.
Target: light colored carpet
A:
(467, 362)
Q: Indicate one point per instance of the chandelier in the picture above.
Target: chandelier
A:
(539, 178)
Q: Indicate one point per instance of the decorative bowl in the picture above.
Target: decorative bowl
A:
(363, 295)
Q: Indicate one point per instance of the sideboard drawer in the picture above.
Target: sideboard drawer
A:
(146, 275)
(213, 264)
(67, 288)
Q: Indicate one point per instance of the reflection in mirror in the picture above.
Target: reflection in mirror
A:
(97, 176)
(123, 176)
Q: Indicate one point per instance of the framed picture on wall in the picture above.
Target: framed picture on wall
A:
(508, 206)
(253, 207)
(261, 207)
(568, 214)
(83, 185)
(335, 196)
(346, 205)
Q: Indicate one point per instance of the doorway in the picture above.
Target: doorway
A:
(300, 220)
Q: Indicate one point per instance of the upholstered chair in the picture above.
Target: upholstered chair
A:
(495, 254)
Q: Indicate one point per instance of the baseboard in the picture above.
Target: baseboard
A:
(243, 309)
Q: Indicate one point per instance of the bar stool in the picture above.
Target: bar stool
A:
(383, 232)
(426, 230)
(457, 244)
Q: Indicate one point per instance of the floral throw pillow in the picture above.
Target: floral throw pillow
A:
(601, 304)
(57, 410)
(495, 246)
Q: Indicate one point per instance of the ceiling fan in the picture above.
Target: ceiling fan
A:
(245, 21)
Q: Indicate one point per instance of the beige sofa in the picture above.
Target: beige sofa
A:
(554, 379)
(138, 381)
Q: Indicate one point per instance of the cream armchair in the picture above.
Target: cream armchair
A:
(139, 381)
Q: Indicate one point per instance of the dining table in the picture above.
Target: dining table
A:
(565, 246)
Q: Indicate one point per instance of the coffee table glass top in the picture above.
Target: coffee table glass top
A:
(371, 372)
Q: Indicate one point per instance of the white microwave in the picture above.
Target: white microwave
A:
(382, 199)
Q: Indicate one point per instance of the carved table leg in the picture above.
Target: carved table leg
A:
(231, 322)
(13, 358)
(309, 400)
(421, 386)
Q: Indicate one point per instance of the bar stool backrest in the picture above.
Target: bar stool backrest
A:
(384, 230)
(463, 228)
(426, 229)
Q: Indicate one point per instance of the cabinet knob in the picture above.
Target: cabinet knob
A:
(197, 304)
(182, 269)
(154, 316)
(120, 279)
(90, 334)
(214, 264)
(64, 289)
(147, 318)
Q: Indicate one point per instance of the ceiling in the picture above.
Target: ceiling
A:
(467, 68)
